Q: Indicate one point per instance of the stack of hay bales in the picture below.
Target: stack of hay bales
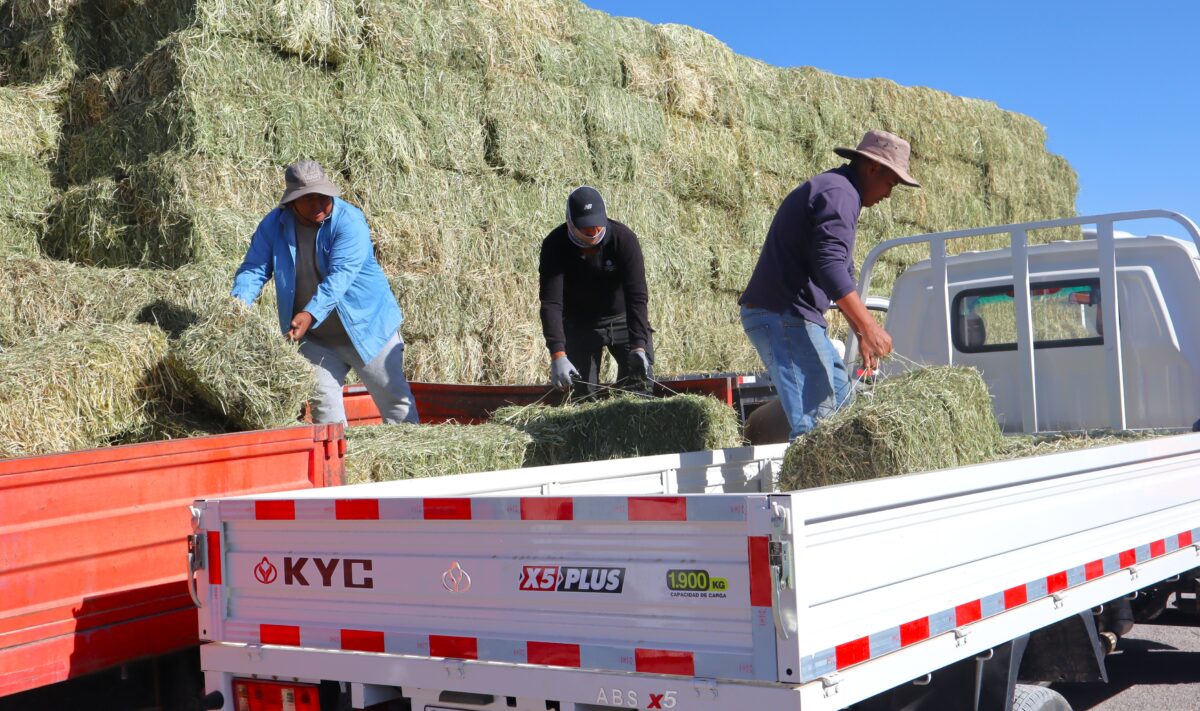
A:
(460, 125)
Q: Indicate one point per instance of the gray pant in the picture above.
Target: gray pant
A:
(383, 376)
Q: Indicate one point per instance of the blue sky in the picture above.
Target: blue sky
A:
(1116, 84)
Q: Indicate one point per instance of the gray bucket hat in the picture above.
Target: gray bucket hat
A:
(305, 177)
(884, 148)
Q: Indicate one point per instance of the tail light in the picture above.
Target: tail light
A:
(255, 695)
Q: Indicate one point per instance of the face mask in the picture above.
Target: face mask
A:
(581, 240)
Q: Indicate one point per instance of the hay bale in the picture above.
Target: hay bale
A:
(623, 427)
(702, 80)
(80, 388)
(534, 131)
(30, 120)
(625, 132)
(24, 196)
(926, 419)
(396, 452)
(701, 162)
(214, 95)
(238, 364)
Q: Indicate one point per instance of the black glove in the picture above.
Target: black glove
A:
(639, 365)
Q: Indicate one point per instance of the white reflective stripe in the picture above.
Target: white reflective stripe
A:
(321, 637)
(487, 508)
(991, 605)
(716, 508)
(1038, 589)
(615, 658)
(315, 510)
(762, 623)
(1112, 564)
(246, 632)
(1143, 553)
(884, 642)
(236, 510)
(942, 622)
(818, 665)
(503, 650)
(601, 508)
(713, 665)
(1075, 576)
(403, 643)
(401, 509)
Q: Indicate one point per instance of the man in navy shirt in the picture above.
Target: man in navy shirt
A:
(807, 262)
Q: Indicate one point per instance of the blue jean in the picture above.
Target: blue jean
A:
(808, 373)
(384, 378)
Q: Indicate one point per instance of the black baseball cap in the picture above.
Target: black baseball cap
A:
(586, 207)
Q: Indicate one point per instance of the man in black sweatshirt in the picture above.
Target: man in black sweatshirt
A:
(593, 293)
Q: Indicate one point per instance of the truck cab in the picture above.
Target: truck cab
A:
(1157, 279)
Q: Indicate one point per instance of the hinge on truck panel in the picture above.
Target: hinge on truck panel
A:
(195, 561)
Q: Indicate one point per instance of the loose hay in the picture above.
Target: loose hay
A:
(926, 419)
(238, 363)
(79, 388)
(623, 427)
(393, 452)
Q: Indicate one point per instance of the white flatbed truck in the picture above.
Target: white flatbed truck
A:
(685, 582)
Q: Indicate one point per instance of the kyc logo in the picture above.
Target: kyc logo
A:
(295, 572)
(264, 572)
(456, 580)
(571, 578)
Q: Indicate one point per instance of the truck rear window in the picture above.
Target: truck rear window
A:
(1065, 314)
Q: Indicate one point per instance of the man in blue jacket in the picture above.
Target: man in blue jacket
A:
(333, 297)
(807, 263)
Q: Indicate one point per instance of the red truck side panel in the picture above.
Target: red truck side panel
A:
(93, 544)
(472, 404)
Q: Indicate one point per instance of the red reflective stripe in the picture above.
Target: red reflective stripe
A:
(1056, 582)
(1185, 539)
(760, 571)
(915, 631)
(275, 510)
(967, 613)
(214, 558)
(1015, 596)
(548, 508)
(362, 641)
(552, 654)
(288, 635)
(356, 509)
(1157, 548)
(448, 510)
(1128, 558)
(453, 647)
(853, 652)
(1093, 570)
(664, 661)
(657, 508)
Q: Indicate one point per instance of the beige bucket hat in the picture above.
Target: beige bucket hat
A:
(305, 177)
(885, 148)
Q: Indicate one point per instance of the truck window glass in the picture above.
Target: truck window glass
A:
(1065, 314)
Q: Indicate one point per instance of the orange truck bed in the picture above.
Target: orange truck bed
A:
(93, 544)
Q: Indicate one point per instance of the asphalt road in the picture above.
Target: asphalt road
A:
(1155, 668)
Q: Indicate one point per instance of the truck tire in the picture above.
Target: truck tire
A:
(1038, 698)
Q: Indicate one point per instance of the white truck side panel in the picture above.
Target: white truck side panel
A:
(889, 579)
